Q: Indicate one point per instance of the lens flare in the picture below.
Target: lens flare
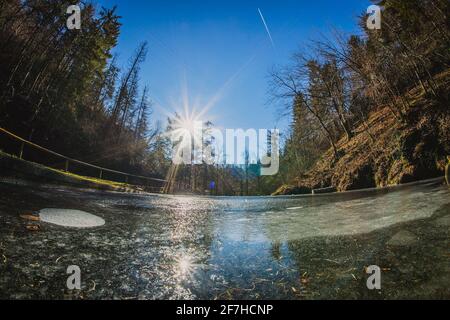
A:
(184, 267)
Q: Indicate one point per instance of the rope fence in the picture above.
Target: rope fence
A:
(67, 161)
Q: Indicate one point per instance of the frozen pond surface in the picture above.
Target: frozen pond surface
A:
(181, 247)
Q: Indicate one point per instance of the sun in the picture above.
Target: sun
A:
(188, 125)
(186, 129)
(186, 134)
(187, 122)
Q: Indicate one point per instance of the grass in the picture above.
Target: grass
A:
(91, 179)
(41, 172)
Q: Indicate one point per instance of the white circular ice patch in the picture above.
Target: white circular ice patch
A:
(70, 218)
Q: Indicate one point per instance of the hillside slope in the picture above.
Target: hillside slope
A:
(384, 152)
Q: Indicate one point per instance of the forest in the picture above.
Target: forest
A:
(62, 89)
(369, 110)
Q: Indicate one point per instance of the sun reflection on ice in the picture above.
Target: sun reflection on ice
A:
(184, 267)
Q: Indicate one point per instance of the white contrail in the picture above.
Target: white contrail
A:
(267, 28)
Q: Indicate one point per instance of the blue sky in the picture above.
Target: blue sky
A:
(220, 51)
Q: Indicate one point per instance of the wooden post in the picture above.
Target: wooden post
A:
(67, 166)
(21, 150)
